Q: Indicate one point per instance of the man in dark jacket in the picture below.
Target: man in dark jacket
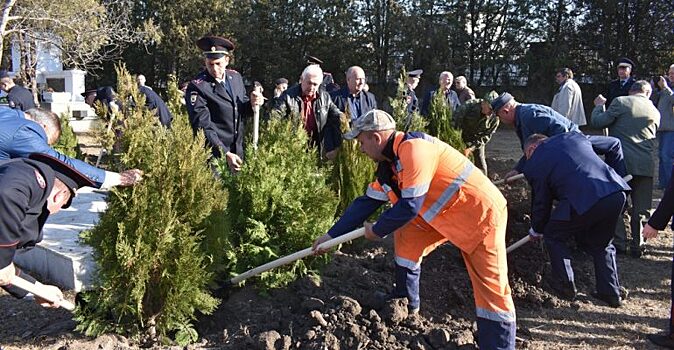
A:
(318, 114)
(17, 96)
(216, 102)
(154, 102)
(622, 85)
(352, 95)
(31, 190)
(590, 197)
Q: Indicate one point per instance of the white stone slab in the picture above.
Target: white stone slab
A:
(61, 258)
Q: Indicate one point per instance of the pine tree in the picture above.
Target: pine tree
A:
(405, 121)
(279, 203)
(67, 143)
(155, 244)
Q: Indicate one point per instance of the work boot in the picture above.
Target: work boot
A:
(636, 252)
(664, 340)
(611, 300)
(564, 290)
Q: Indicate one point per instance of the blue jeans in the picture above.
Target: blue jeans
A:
(666, 157)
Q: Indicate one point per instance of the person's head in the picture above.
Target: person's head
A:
(90, 96)
(48, 120)
(141, 80)
(66, 182)
(670, 73)
(485, 105)
(563, 75)
(372, 130)
(217, 53)
(460, 82)
(445, 80)
(280, 85)
(6, 81)
(625, 67)
(413, 78)
(641, 87)
(311, 80)
(355, 79)
(532, 143)
(504, 106)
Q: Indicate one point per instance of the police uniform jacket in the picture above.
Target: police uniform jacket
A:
(25, 186)
(326, 113)
(218, 108)
(616, 89)
(358, 105)
(19, 137)
(566, 168)
(20, 98)
(154, 102)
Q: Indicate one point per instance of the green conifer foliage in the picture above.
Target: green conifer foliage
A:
(405, 121)
(440, 122)
(352, 170)
(153, 264)
(279, 203)
(67, 143)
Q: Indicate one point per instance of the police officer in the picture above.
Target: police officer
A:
(154, 102)
(413, 78)
(216, 101)
(106, 96)
(31, 190)
(622, 85)
(18, 96)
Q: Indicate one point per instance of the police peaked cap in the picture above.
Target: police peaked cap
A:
(415, 73)
(68, 175)
(625, 60)
(280, 81)
(313, 60)
(215, 47)
(89, 92)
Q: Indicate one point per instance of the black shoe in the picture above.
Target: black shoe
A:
(611, 300)
(666, 341)
(636, 253)
(564, 290)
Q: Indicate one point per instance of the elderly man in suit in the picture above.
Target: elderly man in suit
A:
(568, 101)
(634, 120)
(353, 96)
(590, 197)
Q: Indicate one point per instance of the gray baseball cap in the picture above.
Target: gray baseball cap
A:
(374, 120)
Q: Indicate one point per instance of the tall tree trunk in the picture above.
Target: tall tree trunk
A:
(4, 20)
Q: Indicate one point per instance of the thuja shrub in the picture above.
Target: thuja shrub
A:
(441, 123)
(279, 203)
(154, 244)
(67, 143)
(352, 170)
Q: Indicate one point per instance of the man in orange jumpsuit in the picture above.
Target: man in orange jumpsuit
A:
(437, 196)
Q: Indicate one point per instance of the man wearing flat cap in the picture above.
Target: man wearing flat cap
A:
(217, 102)
(31, 190)
(621, 86)
(437, 196)
(18, 96)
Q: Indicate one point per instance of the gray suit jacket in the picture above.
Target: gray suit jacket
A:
(634, 120)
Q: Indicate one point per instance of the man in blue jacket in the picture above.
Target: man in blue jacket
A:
(353, 96)
(529, 119)
(36, 130)
(590, 197)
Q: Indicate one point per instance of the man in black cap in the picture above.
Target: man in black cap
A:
(106, 96)
(217, 102)
(31, 190)
(621, 86)
(411, 83)
(18, 96)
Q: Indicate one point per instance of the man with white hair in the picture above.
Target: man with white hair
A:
(353, 95)
(462, 90)
(445, 81)
(318, 114)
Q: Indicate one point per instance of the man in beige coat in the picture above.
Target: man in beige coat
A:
(634, 120)
(569, 99)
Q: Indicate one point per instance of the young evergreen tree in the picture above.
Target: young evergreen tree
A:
(67, 143)
(279, 203)
(352, 170)
(155, 243)
(441, 123)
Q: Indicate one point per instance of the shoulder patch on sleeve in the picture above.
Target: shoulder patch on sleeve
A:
(193, 97)
(40, 179)
(12, 104)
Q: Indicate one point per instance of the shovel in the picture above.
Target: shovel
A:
(298, 255)
(41, 292)
(509, 179)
